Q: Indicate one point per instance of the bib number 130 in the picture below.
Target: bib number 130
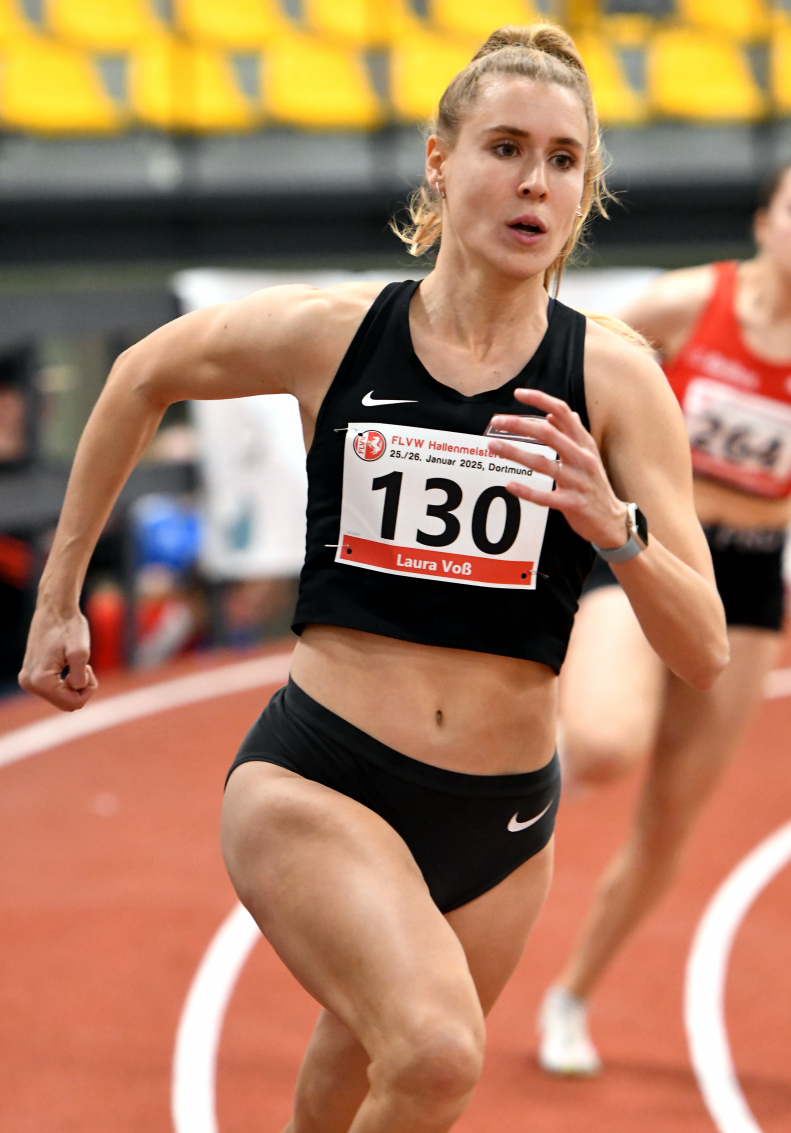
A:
(434, 504)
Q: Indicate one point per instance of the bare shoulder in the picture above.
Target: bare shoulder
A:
(667, 310)
(675, 290)
(615, 366)
(287, 339)
(305, 333)
(625, 387)
(296, 312)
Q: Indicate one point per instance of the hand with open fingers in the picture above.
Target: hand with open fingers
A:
(56, 661)
(582, 489)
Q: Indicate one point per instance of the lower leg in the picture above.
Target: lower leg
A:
(420, 1085)
(332, 1082)
(698, 734)
(633, 884)
(334, 1079)
(422, 1091)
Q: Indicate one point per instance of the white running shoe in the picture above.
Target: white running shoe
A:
(565, 1046)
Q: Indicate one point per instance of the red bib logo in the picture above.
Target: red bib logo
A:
(370, 445)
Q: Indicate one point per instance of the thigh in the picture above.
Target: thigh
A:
(337, 893)
(700, 731)
(610, 686)
(494, 928)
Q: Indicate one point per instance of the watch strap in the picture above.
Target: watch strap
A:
(619, 554)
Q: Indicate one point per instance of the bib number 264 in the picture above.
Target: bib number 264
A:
(435, 504)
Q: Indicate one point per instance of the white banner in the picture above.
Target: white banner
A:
(255, 488)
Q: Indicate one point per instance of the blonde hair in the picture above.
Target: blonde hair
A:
(545, 53)
(619, 327)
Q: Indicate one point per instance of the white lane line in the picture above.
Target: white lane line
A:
(197, 1040)
(193, 1103)
(101, 714)
(194, 1069)
(707, 970)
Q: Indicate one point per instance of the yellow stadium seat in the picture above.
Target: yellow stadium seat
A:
(48, 87)
(616, 101)
(13, 24)
(103, 25)
(697, 76)
(237, 25)
(359, 23)
(628, 29)
(744, 20)
(179, 86)
(421, 66)
(309, 82)
(477, 19)
(780, 69)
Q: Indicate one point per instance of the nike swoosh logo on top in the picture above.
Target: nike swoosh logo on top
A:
(368, 400)
(515, 826)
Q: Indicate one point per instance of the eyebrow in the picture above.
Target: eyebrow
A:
(519, 133)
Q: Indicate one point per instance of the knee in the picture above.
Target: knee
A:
(434, 1067)
(598, 760)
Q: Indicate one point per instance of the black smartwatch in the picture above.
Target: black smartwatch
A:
(637, 541)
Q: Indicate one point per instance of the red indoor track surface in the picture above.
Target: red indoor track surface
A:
(112, 887)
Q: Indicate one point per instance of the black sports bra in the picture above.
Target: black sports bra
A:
(410, 531)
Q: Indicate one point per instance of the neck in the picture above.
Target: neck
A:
(474, 306)
(768, 287)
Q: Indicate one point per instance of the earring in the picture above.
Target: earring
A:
(441, 191)
(579, 212)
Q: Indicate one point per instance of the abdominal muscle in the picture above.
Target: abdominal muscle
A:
(476, 713)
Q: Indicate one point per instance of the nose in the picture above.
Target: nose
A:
(533, 184)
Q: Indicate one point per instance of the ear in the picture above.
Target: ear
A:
(435, 159)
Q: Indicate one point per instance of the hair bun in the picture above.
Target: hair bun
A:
(548, 39)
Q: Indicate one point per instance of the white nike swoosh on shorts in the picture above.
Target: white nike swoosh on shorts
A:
(515, 826)
(368, 400)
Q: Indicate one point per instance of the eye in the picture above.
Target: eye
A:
(563, 161)
(505, 149)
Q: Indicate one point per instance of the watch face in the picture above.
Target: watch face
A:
(641, 525)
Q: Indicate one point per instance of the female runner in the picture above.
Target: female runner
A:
(388, 819)
(724, 333)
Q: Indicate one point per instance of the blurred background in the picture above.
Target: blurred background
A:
(158, 155)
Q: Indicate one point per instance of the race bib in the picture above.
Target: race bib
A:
(434, 504)
(743, 439)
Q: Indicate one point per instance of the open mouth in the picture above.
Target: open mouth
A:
(532, 228)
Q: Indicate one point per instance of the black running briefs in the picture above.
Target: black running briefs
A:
(466, 832)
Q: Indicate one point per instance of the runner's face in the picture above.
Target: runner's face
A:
(773, 226)
(515, 177)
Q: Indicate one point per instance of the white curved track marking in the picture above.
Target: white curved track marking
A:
(101, 714)
(198, 1038)
(194, 1067)
(195, 1058)
(707, 969)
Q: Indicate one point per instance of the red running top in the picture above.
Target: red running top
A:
(737, 406)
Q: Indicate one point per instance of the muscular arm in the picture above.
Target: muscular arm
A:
(282, 340)
(644, 447)
(637, 451)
